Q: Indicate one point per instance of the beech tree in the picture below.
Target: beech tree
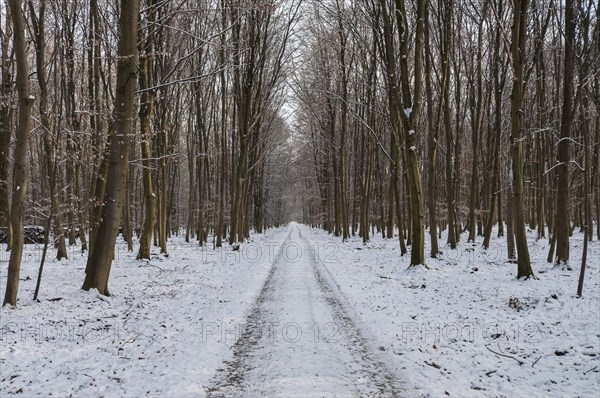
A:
(146, 109)
(38, 23)
(100, 259)
(517, 102)
(20, 170)
(562, 197)
(5, 119)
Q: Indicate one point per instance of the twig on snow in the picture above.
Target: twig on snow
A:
(433, 364)
(506, 356)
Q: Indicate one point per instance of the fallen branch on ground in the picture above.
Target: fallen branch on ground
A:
(505, 355)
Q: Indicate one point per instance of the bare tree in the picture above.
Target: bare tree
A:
(146, 77)
(38, 23)
(20, 178)
(517, 102)
(562, 197)
(5, 120)
(100, 259)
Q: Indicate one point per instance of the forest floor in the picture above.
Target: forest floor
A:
(295, 312)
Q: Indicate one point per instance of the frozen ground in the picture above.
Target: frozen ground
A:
(467, 327)
(297, 313)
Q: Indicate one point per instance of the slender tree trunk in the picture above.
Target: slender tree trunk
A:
(495, 199)
(510, 230)
(392, 196)
(343, 126)
(411, 107)
(72, 117)
(38, 23)
(191, 158)
(445, 98)
(496, 174)
(596, 161)
(366, 199)
(126, 217)
(397, 200)
(161, 180)
(81, 212)
(146, 113)
(540, 149)
(432, 143)
(99, 261)
(562, 196)
(474, 200)
(224, 161)
(517, 106)
(202, 181)
(21, 168)
(368, 176)
(588, 210)
(5, 125)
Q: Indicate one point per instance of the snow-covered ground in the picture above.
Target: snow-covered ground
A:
(334, 315)
(468, 327)
(156, 335)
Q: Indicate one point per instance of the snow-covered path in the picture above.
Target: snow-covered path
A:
(299, 339)
(319, 317)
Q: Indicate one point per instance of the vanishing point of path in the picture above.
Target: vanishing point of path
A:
(299, 339)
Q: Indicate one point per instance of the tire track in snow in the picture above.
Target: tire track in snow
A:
(373, 368)
(234, 376)
(262, 366)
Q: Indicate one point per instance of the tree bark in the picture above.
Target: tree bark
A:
(5, 123)
(517, 108)
(343, 125)
(21, 164)
(474, 200)
(146, 113)
(224, 162)
(432, 143)
(411, 106)
(100, 260)
(495, 197)
(562, 196)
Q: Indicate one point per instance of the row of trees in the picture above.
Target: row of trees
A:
(454, 116)
(154, 117)
(141, 117)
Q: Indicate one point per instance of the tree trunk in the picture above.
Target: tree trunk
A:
(517, 107)
(445, 98)
(21, 164)
(495, 197)
(224, 162)
(432, 145)
(411, 107)
(161, 179)
(5, 125)
(474, 200)
(343, 126)
(510, 231)
(540, 141)
(38, 23)
(146, 113)
(562, 196)
(100, 143)
(99, 261)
